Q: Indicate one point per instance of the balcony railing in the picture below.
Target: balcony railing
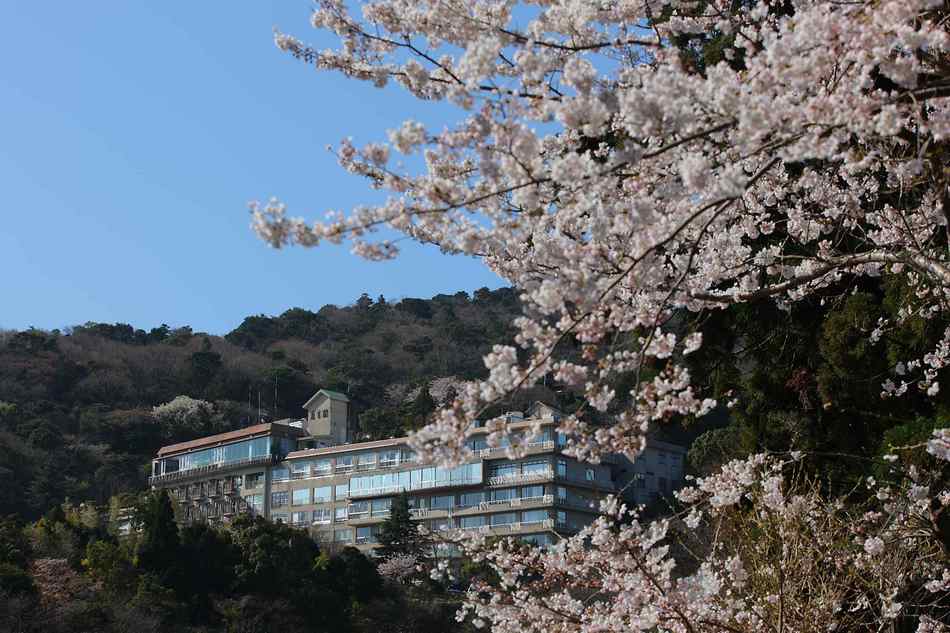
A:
(530, 446)
(510, 527)
(517, 478)
(209, 469)
(420, 485)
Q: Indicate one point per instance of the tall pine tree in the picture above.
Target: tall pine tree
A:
(399, 534)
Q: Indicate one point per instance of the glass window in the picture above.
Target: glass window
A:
(322, 466)
(538, 540)
(342, 536)
(322, 494)
(280, 474)
(381, 507)
(532, 492)
(339, 514)
(561, 492)
(441, 525)
(256, 502)
(342, 491)
(561, 468)
(505, 470)
(299, 518)
(534, 516)
(504, 518)
(253, 480)
(344, 462)
(300, 466)
(321, 515)
(505, 494)
(366, 459)
(443, 502)
(279, 499)
(535, 467)
(301, 497)
(562, 516)
(279, 517)
(365, 535)
(469, 499)
(472, 522)
(589, 474)
(358, 508)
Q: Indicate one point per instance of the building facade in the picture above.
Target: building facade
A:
(306, 473)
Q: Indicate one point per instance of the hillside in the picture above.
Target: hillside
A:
(76, 405)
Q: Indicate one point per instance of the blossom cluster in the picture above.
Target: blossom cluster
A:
(615, 180)
(757, 546)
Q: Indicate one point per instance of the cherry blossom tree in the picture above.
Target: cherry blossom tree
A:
(756, 547)
(616, 183)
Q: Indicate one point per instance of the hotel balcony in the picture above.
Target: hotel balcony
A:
(209, 470)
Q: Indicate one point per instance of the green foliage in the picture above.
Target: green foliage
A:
(159, 550)
(272, 556)
(14, 546)
(75, 415)
(109, 564)
(399, 534)
(354, 574)
(15, 581)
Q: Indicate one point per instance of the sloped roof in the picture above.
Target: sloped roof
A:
(230, 436)
(332, 395)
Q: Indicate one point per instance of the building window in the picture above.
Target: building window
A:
(342, 536)
(381, 506)
(469, 499)
(441, 525)
(253, 480)
(321, 515)
(471, 522)
(562, 517)
(561, 468)
(322, 494)
(589, 474)
(300, 497)
(365, 535)
(561, 492)
(504, 518)
(280, 474)
(342, 491)
(534, 516)
(532, 492)
(279, 517)
(443, 502)
(339, 514)
(358, 508)
(279, 499)
(256, 502)
(299, 518)
(505, 494)
(531, 468)
(505, 470)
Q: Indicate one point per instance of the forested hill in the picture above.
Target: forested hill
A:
(76, 406)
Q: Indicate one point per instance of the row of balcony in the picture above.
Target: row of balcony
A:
(210, 469)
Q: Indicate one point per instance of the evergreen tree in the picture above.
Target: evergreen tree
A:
(399, 534)
(159, 549)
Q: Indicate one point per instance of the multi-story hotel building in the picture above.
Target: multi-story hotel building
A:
(308, 473)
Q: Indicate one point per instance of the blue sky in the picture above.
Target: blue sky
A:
(132, 135)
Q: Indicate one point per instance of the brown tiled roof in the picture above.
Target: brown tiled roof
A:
(230, 436)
